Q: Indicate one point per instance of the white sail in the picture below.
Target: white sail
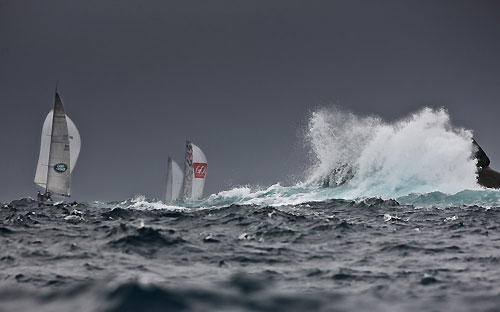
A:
(195, 169)
(58, 173)
(187, 183)
(199, 172)
(43, 158)
(174, 181)
(73, 136)
(75, 143)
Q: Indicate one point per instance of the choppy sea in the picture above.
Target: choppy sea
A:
(428, 252)
(389, 218)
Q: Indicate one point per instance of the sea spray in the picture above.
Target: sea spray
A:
(336, 138)
(419, 154)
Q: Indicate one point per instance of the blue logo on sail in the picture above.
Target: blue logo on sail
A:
(60, 167)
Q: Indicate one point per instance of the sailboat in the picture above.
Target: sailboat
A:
(174, 181)
(190, 184)
(59, 150)
(195, 169)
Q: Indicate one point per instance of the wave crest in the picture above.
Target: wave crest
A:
(419, 154)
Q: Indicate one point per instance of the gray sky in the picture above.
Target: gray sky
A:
(238, 78)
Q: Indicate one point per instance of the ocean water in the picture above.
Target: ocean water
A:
(388, 218)
(332, 255)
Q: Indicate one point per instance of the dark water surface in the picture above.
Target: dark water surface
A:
(337, 255)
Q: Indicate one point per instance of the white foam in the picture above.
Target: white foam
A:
(140, 202)
(420, 154)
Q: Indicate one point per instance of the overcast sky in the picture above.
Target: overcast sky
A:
(238, 78)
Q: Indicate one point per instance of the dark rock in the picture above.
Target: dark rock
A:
(486, 176)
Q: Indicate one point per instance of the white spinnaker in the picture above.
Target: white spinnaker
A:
(195, 168)
(174, 181)
(199, 172)
(43, 158)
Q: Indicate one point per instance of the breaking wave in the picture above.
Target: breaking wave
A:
(419, 154)
(277, 195)
(421, 160)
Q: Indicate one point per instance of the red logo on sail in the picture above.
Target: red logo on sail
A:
(199, 170)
